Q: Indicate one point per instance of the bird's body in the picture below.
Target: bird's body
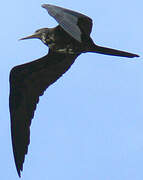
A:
(60, 41)
(29, 81)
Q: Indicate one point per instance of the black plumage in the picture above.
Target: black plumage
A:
(29, 81)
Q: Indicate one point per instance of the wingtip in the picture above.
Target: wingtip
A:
(19, 170)
(45, 5)
(19, 173)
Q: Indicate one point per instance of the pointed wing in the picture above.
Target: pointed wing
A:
(72, 22)
(27, 83)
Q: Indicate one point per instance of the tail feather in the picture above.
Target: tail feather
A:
(112, 52)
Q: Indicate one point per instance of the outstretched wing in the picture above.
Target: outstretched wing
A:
(72, 22)
(27, 83)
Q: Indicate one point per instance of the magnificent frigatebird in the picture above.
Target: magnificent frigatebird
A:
(29, 81)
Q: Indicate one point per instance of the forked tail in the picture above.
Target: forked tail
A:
(112, 52)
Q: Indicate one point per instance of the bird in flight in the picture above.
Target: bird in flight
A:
(29, 81)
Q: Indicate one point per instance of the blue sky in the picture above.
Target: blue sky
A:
(89, 124)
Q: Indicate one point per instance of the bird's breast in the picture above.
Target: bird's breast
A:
(63, 45)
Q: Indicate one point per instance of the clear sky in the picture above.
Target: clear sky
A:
(89, 124)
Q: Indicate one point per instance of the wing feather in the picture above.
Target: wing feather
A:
(27, 83)
(72, 22)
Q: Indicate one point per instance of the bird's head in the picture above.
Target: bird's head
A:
(40, 34)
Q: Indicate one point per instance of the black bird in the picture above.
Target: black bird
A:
(29, 81)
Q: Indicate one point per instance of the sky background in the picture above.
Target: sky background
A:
(89, 124)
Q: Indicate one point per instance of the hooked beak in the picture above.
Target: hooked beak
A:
(35, 35)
